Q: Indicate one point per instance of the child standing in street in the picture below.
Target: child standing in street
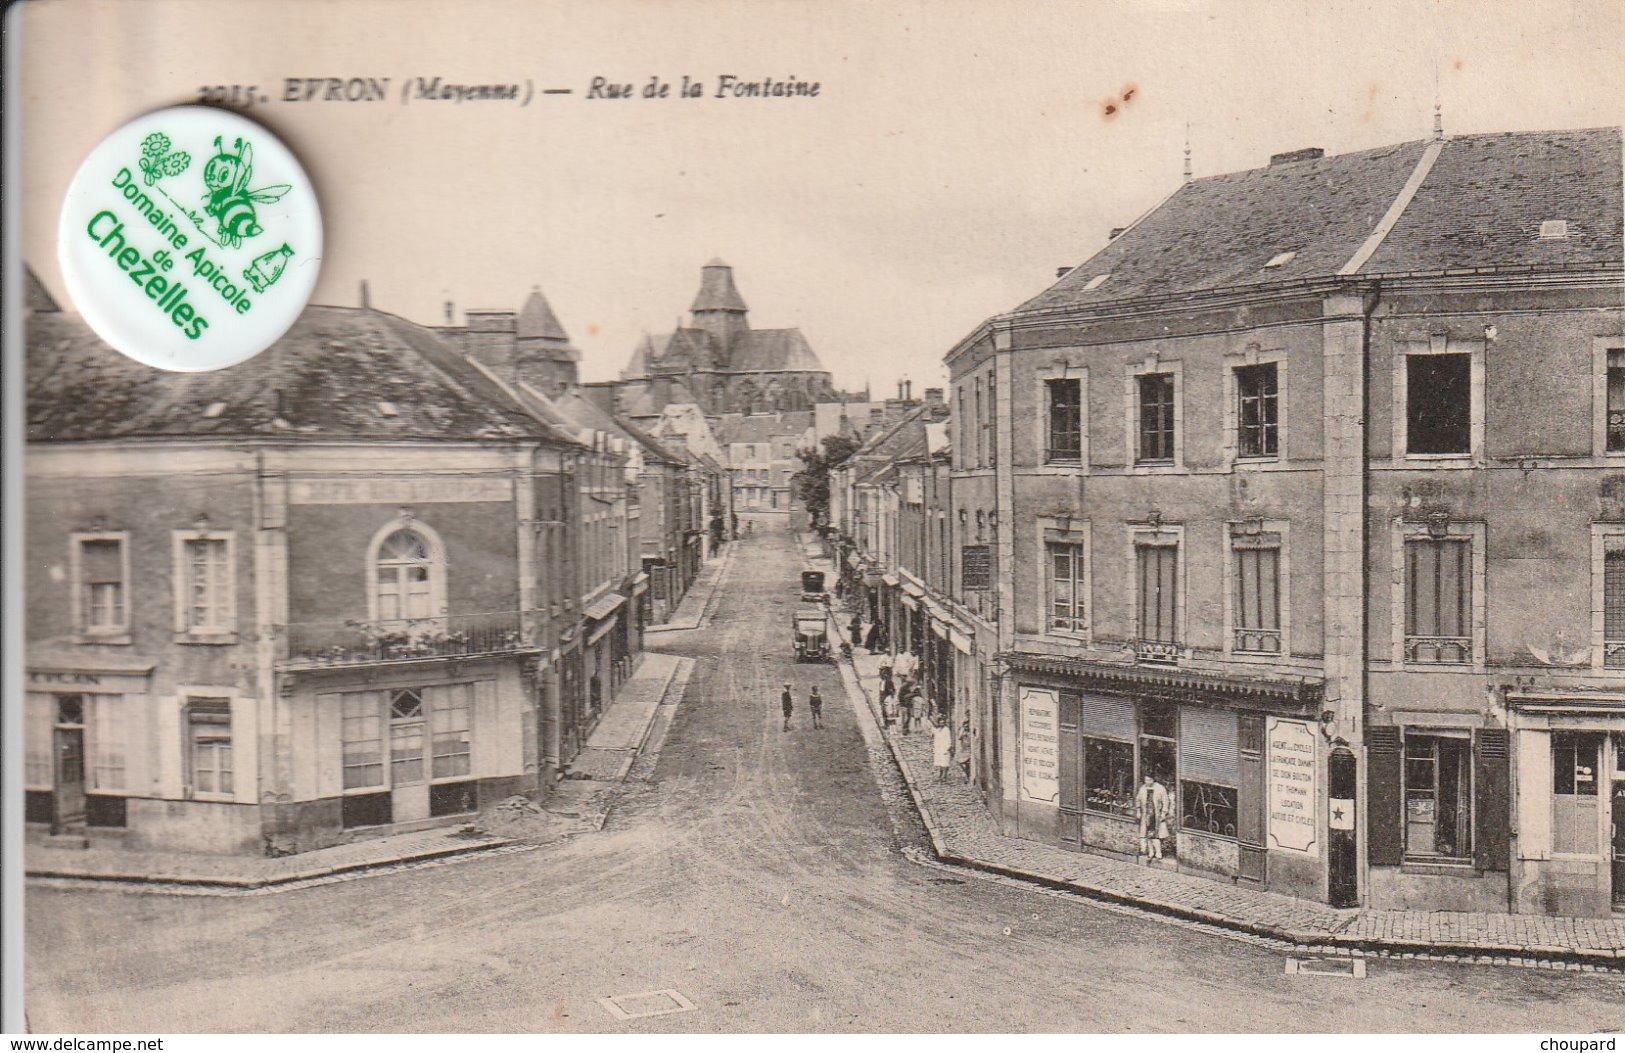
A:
(942, 748)
(815, 702)
(789, 702)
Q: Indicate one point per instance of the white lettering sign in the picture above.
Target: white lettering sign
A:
(1040, 745)
(411, 491)
(1292, 798)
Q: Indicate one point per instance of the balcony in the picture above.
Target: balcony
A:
(1157, 652)
(1256, 641)
(1438, 650)
(321, 645)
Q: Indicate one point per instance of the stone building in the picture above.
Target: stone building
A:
(722, 364)
(326, 594)
(1306, 504)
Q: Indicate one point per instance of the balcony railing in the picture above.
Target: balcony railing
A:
(1439, 650)
(1157, 652)
(1256, 641)
(350, 643)
(1613, 654)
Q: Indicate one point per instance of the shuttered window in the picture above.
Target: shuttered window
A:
(1257, 609)
(1111, 718)
(1158, 567)
(1613, 602)
(1438, 601)
(101, 573)
(1207, 745)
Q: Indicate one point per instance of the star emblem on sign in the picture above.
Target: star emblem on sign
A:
(1337, 813)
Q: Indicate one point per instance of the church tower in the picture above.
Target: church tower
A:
(719, 309)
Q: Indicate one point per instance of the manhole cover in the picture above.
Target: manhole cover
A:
(647, 1003)
(1350, 967)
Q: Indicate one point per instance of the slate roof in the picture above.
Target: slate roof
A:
(772, 351)
(1480, 205)
(717, 289)
(537, 320)
(583, 412)
(325, 378)
(762, 427)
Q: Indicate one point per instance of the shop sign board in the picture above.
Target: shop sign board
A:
(1040, 745)
(1292, 796)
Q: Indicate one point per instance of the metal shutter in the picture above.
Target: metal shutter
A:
(1208, 749)
(1106, 718)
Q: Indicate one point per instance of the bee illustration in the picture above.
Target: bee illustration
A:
(230, 201)
(156, 160)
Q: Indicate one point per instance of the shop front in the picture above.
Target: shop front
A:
(1217, 776)
(1569, 855)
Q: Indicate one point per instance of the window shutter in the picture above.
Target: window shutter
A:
(1107, 718)
(1071, 769)
(1384, 796)
(1207, 745)
(1492, 762)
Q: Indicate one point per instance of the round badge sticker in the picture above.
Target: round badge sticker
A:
(190, 239)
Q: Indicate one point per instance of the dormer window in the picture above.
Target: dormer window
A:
(215, 409)
(1280, 260)
(1096, 282)
(1551, 229)
(388, 409)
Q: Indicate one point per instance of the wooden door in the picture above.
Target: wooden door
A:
(68, 779)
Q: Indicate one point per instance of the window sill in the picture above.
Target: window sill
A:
(118, 639)
(221, 638)
(1432, 865)
(1444, 460)
(1129, 819)
(1185, 831)
(1253, 460)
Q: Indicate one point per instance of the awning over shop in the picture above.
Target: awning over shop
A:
(961, 642)
(890, 579)
(913, 589)
(640, 584)
(604, 606)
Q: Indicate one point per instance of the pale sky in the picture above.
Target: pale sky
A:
(958, 152)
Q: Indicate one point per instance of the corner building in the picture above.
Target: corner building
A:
(1310, 490)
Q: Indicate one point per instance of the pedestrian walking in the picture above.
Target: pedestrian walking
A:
(942, 748)
(962, 749)
(1154, 806)
(855, 630)
(872, 641)
(888, 701)
(905, 708)
(815, 702)
(789, 702)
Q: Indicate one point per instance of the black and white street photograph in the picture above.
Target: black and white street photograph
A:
(815, 517)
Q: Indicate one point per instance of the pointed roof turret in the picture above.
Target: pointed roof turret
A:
(537, 320)
(717, 291)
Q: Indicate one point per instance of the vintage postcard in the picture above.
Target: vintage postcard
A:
(815, 517)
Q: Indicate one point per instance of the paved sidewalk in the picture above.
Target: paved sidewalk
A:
(252, 872)
(695, 609)
(963, 833)
(619, 737)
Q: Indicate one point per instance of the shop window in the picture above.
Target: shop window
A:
(1209, 770)
(208, 736)
(204, 596)
(106, 746)
(1108, 777)
(1156, 425)
(1157, 566)
(1068, 588)
(103, 576)
(1438, 601)
(363, 741)
(1438, 404)
(1616, 400)
(1065, 421)
(1438, 796)
(1576, 801)
(450, 718)
(1613, 602)
(1256, 615)
(1257, 411)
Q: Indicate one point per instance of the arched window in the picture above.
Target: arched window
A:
(408, 574)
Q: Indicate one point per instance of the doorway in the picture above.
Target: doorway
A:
(68, 765)
(1617, 819)
(408, 740)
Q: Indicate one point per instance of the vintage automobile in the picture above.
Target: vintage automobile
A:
(812, 587)
(811, 632)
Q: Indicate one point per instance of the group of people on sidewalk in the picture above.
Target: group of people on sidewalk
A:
(903, 706)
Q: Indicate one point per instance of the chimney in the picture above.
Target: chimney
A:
(1116, 233)
(908, 390)
(366, 299)
(449, 313)
(1062, 272)
(902, 392)
(1308, 153)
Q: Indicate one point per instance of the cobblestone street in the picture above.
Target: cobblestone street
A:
(767, 876)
